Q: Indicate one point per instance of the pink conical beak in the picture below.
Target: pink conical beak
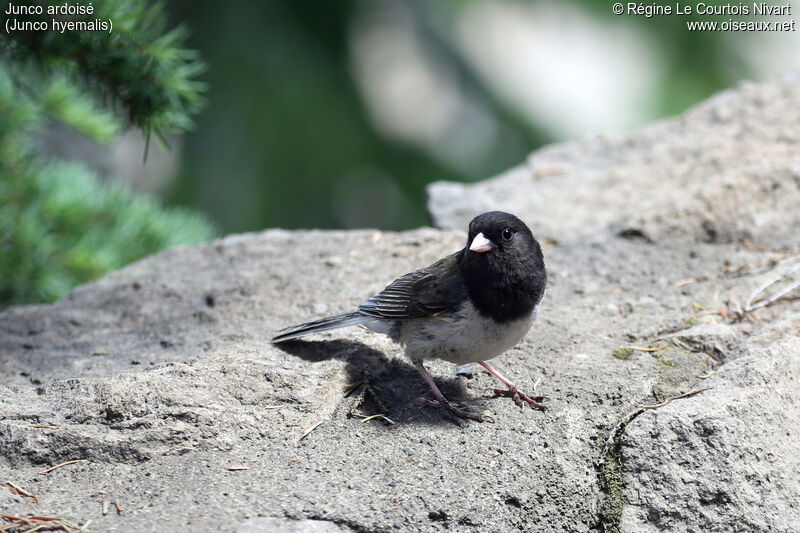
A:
(481, 244)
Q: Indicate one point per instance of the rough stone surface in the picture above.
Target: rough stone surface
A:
(160, 377)
(282, 525)
(733, 458)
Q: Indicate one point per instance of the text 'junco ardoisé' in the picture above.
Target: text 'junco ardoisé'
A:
(468, 307)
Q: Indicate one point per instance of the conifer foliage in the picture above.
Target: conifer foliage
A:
(99, 73)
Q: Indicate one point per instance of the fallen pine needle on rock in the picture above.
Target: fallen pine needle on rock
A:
(44, 426)
(643, 349)
(30, 523)
(310, 428)
(683, 282)
(65, 463)
(721, 312)
(385, 418)
(351, 388)
(753, 318)
(237, 468)
(684, 395)
(756, 301)
(548, 171)
(17, 490)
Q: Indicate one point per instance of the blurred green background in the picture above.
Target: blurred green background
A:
(323, 114)
(337, 114)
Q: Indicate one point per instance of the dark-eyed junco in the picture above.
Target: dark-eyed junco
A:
(468, 307)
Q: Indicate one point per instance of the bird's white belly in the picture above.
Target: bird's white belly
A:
(463, 337)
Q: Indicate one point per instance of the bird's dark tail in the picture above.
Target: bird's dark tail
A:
(323, 324)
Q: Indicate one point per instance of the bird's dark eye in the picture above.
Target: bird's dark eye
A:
(507, 234)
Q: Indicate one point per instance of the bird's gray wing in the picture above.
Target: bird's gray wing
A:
(421, 293)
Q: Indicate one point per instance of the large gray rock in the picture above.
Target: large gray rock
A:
(729, 461)
(726, 170)
(161, 379)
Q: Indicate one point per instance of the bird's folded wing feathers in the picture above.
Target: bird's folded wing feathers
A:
(421, 293)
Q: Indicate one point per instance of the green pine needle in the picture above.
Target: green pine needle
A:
(60, 225)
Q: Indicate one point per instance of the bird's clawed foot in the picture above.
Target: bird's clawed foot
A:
(441, 401)
(513, 392)
(519, 396)
(454, 411)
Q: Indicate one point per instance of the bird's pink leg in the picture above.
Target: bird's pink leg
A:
(512, 391)
(441, 401)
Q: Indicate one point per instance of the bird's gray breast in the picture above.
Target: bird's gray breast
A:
(460, 336)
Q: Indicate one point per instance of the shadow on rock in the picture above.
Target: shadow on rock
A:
(390, 386)
(316, 351)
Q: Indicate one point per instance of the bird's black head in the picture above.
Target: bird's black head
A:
(499, 234)
(503, 266)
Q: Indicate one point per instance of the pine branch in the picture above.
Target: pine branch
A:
(138, 67)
